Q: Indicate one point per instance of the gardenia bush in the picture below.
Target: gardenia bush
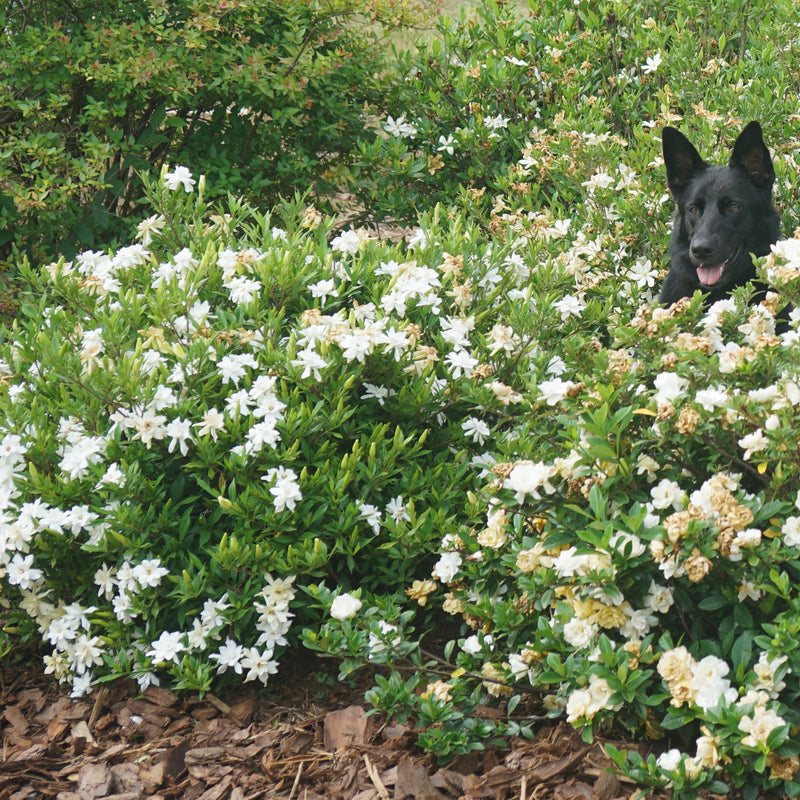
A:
(205, 422)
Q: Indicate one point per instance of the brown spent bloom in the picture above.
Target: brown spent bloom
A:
(452, 265)
(697, 566)
(687, 421)
(677, 525)
(781, 768)
(503, 469)
(665, 412)
(452, 605)
(736, 519)
(669, 360)
(311, 218)
(724, 542)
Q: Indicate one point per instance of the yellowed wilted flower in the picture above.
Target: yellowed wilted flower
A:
(532, 558)
(687, 421)
(451, 265)
(502, 337)
(759, 726)
(675, 665)
(707, 749)
(677, 525)
(633, 647)
(697, 566)
(439, 690)
(420, 590)
(311, 218)
(461, 293)
(782, 769)
(423, 357)
(493, 537)
(580, 705)
(658, 549)
(452, 605)
(493, 680)
(608, 616)
(504, 394)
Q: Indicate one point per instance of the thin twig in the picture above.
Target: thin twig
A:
(376, 779)
(296, 779)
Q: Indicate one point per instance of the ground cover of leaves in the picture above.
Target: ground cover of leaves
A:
(308, 738)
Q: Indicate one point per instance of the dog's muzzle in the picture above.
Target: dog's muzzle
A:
(710, 275)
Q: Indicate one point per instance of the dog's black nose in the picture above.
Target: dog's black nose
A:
(702, 251)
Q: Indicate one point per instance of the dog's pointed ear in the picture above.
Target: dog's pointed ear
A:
(681, 159)
(751, 154)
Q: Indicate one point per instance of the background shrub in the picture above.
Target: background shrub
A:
(264, 97)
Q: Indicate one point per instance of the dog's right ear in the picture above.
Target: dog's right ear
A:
(681, 159)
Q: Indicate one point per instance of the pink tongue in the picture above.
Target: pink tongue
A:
(709, 275)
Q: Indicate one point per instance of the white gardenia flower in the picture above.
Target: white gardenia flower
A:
(166, 647)
(323, 289)
(669, 761)
(179, 432)
(180, 176)
(286, 490)
(791, 531)
(667, 494)
(372, 515)
(213, 422)
(651, 64)
(580, 633)
(345, 606)
(399, 127)
(759, 726)
(754, 442)
(710, 398)
(229, 655)
(259, 664)
(473, 644)
(476, 429)
(149, 572)
(569, 306)
(347, 242)
(311, 362)
(669, 386)
(22, 573)
(447, 567)
(710, 684)
(555, 390)
(527, 478)
(396, 509)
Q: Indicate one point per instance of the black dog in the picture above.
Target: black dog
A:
(724, 214)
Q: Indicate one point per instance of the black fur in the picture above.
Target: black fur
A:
(723, 214)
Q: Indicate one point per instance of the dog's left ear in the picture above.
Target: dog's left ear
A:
(751, 154)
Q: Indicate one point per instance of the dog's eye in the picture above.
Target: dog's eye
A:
(734, 207)
(694, 210)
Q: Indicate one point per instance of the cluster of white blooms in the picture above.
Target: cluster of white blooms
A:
(583, 704)
(255, 662)
(237, 269)
(705, 684)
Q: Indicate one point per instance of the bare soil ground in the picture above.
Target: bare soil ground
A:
(305, 738)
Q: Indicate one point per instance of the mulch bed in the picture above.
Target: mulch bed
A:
(304, 740)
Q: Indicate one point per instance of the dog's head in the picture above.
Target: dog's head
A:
(725, 213)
